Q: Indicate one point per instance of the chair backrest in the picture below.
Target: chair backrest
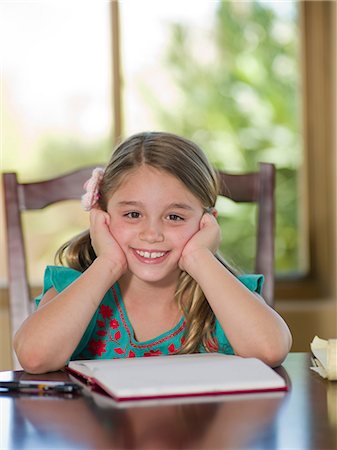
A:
(257, 187)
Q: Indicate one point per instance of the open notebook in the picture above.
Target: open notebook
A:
(157, 377)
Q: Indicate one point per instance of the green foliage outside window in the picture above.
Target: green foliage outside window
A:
(237, 96)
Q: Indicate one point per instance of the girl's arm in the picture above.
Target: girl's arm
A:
(49, 336)
(251, 326)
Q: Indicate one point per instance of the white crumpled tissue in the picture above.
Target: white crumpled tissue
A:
(324, 357)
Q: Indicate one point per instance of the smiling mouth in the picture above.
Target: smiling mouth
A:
(150, 255)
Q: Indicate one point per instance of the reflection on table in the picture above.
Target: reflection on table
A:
(299, 419)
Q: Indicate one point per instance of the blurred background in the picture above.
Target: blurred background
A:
(249, 81)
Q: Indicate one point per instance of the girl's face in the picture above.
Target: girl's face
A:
(153, 215)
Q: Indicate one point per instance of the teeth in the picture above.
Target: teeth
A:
(151, 255)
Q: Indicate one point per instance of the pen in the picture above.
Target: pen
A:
(39, 386)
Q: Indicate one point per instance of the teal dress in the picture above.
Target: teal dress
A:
(110, 333)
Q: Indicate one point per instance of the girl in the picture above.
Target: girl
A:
(145, 279)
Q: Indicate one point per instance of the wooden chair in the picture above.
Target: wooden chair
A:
(255, 187)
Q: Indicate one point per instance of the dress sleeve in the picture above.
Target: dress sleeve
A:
(60, 278)
(57, 277)
(254, 283)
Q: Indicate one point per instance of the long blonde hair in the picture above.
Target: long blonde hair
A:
(186, 161)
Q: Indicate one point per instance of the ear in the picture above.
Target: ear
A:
(212, 211)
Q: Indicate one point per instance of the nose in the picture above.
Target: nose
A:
(151, 233)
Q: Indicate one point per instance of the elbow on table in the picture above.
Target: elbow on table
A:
(274, 354)
(32, 363)
(33, 360)
(273, 360)
(272, 350)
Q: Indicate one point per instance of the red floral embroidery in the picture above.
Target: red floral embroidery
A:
(114, 323)
(131, 354)
(129, 332)
(171, 348)
(100, 323)
(117, 335)
(119, 351)
(153, 353)
(101, 333)
(106, 311)
(97, 347)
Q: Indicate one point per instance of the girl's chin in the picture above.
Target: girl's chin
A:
(154, 275)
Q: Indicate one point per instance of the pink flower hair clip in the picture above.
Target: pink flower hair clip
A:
(90, 198)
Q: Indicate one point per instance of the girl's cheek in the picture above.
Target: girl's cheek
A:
(116, 229)
(188, 234)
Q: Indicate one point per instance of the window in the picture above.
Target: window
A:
(56, 104)
(226, 75)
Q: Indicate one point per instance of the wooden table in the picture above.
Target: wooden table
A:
(303, 418)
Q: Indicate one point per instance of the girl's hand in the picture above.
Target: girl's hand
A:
(207, 238)
(103, 242)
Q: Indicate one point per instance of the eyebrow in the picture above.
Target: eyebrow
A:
(173, 205)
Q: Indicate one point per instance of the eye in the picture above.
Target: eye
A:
(174, 217)
(132, 215)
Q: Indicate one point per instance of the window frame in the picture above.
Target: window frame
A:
(318, 172)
